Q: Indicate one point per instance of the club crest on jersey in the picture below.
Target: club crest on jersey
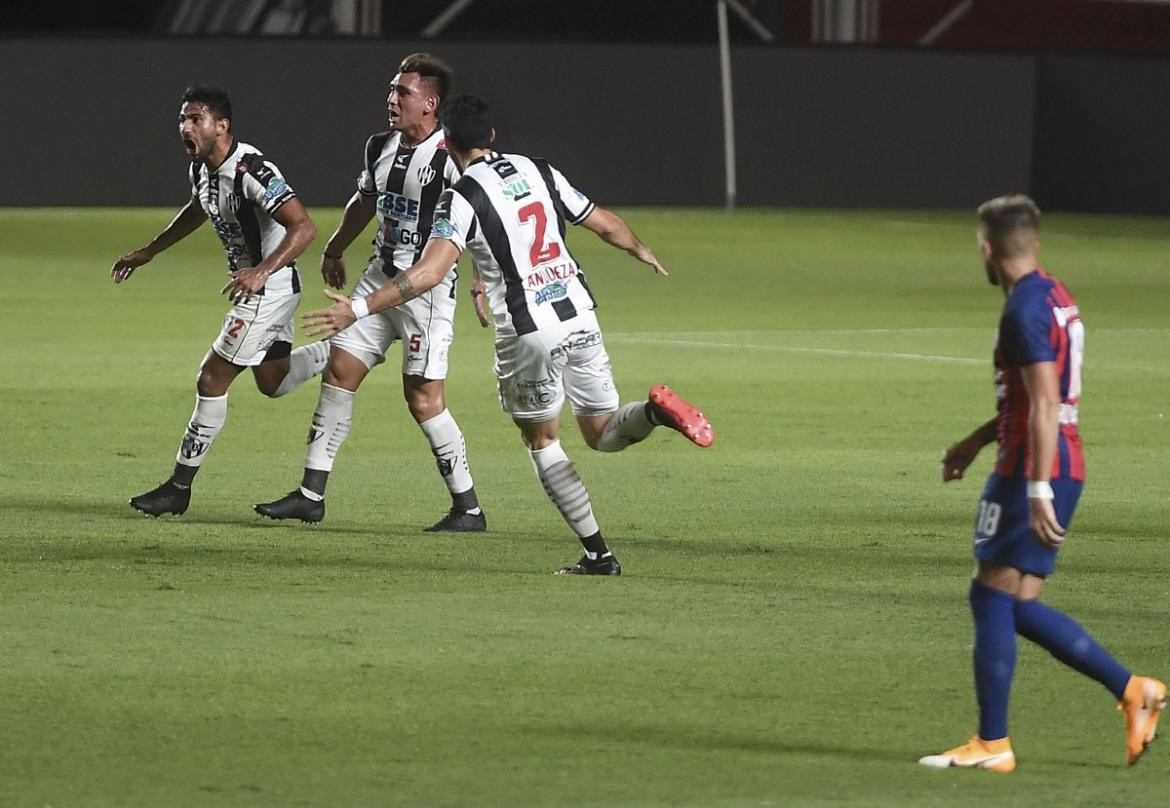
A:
(233, 202)
(426, 174)
(396, 206)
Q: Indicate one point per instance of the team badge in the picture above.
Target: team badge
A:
(426, 174)
(233, 202)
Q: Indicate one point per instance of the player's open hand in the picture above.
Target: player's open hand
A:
(479, 298)
(333, 271)
(126, 264)
(957, 458)
(244, 284)
(1042, 520)
(324, 323)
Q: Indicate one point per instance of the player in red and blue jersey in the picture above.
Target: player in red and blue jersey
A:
(1029, 499)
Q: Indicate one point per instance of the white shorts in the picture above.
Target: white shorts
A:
(426, 326)
(535, 371)
(249, 329)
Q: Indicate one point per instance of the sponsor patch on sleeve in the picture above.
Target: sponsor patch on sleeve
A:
(443, 228)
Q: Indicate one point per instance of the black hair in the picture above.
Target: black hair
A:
(467, 123)
(433, 70)
(217, 100)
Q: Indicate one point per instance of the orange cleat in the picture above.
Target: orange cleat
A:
(1142, 706)
(996, 756)
(678, 414)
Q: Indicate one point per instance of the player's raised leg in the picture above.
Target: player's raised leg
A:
(634, 421)
(208, 418)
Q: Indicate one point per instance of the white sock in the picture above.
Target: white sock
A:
(304, 363)
(206, 422)
(564, 488)
(330, 427)
(628, 426)
(450, 451)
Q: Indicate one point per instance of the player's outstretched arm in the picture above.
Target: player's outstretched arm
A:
(436, 261)
(299, 232)
(186, 222)
(613, 230)
(358, 212)
(1042, 381)
(960, 455)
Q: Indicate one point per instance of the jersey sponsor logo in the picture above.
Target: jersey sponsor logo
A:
(577, 341)
(276, 187)
(396, 206)
(554, 291)
(518, 189)
(426, 175)
(443, 228)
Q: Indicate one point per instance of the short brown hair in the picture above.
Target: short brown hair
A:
(434, 71)
(1010, 224)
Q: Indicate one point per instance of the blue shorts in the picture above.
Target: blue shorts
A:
(1002, 535)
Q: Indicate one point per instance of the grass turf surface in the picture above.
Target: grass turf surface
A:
(791, 628)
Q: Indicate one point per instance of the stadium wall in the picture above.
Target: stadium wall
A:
(93, 121)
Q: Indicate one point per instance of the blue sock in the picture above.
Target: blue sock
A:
(995, 657)
(1064, 638)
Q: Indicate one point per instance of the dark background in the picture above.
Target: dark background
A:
(625, 100)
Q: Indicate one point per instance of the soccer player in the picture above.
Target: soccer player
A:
(510, 212)
(263, 227)
(1030, 497)
(406, 168)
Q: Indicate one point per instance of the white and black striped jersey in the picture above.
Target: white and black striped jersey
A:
(510, 212)
(407, 181)
(240, 197)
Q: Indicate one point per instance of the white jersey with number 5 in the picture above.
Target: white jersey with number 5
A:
(510, 211)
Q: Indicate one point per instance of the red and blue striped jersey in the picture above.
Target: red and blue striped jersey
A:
(1040, 323)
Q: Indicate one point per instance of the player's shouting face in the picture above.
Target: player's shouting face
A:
(200, 129)
(410, 102)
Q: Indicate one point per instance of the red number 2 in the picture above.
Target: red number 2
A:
(234, 331)
(539, 253)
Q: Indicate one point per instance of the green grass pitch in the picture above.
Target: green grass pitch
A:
(791, 628)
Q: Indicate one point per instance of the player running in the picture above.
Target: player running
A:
(406, 169)
(263, 227)
(1029, 499)
(510, 212)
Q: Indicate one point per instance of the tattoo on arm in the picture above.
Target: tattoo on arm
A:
(405, 288)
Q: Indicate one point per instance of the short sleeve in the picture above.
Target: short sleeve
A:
(577, 205)
(1027, 333)
(454, 219)
(367, 181)
(266, 186)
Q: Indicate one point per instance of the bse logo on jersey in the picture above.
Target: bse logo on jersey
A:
(396, 206)
(554, 291)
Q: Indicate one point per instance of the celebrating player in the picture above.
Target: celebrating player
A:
(1030, 497)
(263, 227)
(510, 212)
(406, 169)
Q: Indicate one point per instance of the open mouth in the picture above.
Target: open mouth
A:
(189, 145)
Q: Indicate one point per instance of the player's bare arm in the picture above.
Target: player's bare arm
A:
(613, 230)
(479, 298)
(186, 222)
(358, 212)
(436, 261)
(298, 234)
(960, 455)
(1042, 381)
